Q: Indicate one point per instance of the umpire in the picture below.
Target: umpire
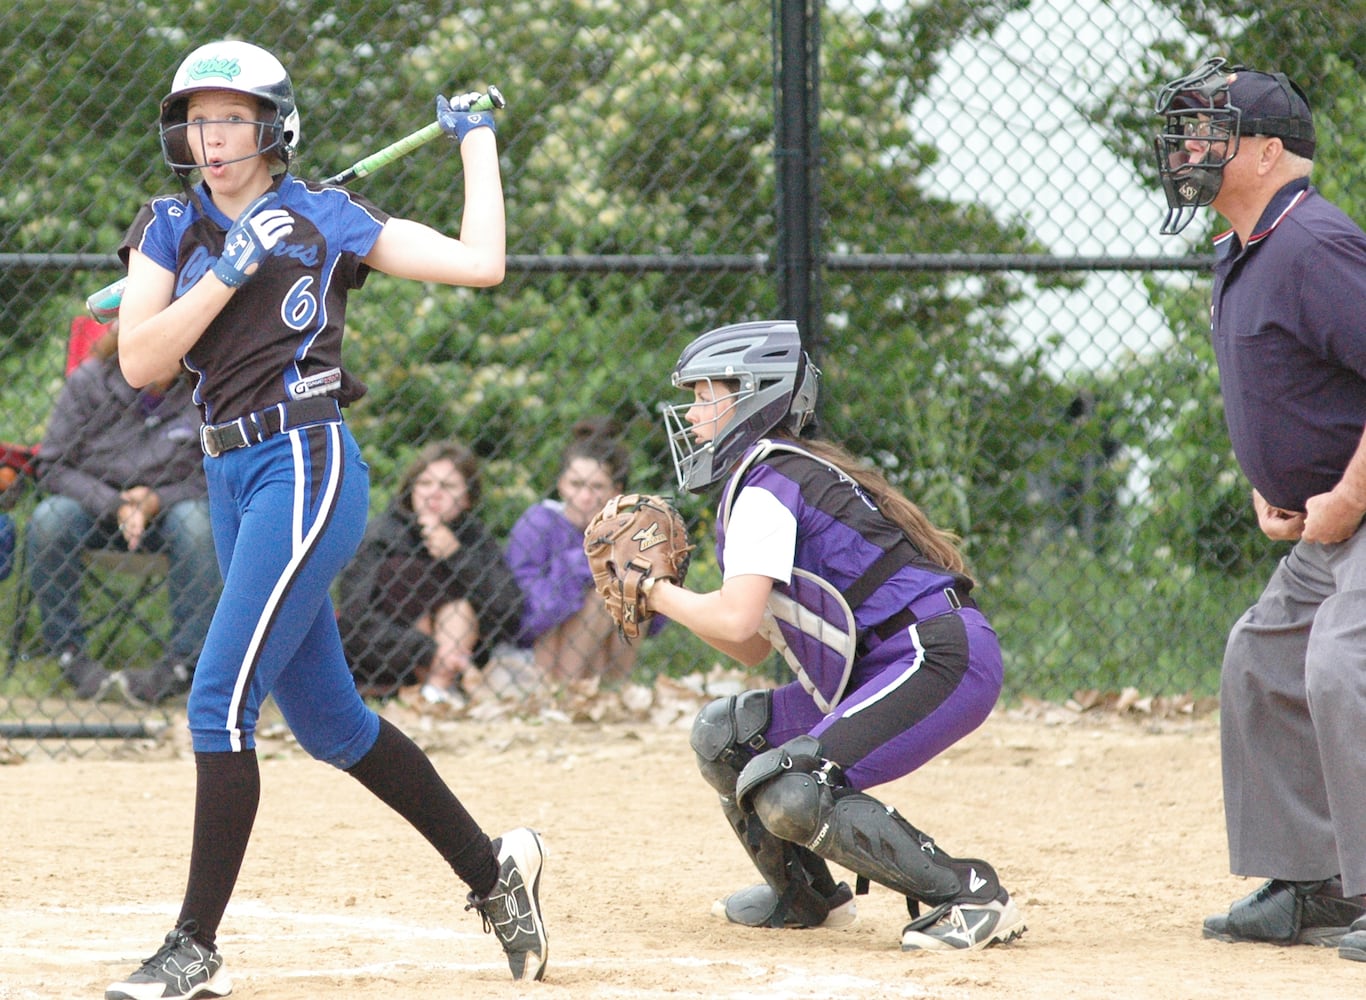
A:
(1289, 298)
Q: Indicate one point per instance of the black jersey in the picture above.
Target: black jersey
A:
(296, 312)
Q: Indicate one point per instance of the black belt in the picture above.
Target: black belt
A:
(256, 427)
(941, 602)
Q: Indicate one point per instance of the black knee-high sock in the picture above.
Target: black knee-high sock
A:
(227, 792)
(400, 775)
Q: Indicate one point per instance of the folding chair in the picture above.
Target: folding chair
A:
(122, 588)
(85, 332)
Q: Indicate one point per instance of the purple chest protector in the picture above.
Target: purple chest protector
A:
(807, 621)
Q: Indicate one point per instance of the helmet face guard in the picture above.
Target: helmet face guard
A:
(241, 68)
(184, 154)
(695, 467)
(1199, 137)
(774, 383)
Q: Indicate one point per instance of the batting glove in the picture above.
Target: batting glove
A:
(456, 118)
(250, 239)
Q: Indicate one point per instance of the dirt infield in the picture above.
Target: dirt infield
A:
(1107, 830)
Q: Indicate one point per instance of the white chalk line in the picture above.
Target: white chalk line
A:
(796, 982)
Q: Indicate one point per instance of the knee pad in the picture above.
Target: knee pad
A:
(792, 806)
(800, 754)
(187, 526)
(726, 735)
(58, 520)
(790, 788)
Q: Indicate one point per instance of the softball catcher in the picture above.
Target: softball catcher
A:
(826, 563)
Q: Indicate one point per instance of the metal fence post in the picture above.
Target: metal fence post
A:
(796, 77)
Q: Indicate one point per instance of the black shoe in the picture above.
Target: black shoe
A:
(967, 925)
(512, 909)
(182, 968)
(1288, 913)
(1353, 943)
(153, 685)
(89, 679)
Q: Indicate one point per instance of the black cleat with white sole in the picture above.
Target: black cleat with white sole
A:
(512, 910)
(180, 970)
(965, 926)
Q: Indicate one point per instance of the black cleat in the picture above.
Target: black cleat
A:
(1288, 913)
(182, 969)
(512, 910)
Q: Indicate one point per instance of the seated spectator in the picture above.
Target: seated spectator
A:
(428, 594)
(122, 469)
(563, 621)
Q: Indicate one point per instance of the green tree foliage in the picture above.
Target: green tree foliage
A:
(647, 138)
(640, 129)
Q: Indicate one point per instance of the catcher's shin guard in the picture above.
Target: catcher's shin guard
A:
(726, 735)
(796, 793)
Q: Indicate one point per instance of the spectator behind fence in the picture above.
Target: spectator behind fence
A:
(122, 470)
(563, 621)
(428, 594)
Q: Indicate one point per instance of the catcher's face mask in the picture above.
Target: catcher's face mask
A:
(695, 426)
(776, 383)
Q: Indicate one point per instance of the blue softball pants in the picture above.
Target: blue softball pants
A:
(288, 514)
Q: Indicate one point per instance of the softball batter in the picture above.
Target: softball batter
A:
(824, 561)
(243, 278)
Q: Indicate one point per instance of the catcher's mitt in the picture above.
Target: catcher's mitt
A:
(634, 538)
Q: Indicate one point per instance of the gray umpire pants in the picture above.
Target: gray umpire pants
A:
(1293, 721)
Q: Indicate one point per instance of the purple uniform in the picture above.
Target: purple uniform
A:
(926, 668)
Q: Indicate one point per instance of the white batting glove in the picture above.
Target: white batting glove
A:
(250, 239)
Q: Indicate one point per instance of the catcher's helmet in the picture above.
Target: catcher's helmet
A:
(1205, 117)
(777, 384)
(237, 66)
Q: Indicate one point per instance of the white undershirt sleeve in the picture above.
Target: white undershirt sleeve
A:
(761, 537)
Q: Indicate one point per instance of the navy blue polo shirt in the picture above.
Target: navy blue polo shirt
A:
(1288, 323)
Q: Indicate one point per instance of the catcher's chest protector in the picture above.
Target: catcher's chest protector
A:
(808, 621)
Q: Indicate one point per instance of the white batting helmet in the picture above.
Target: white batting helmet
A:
(240, 67)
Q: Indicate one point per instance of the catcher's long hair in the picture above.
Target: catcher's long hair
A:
(937, 544)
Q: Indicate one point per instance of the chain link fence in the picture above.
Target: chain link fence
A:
(1000, 327)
